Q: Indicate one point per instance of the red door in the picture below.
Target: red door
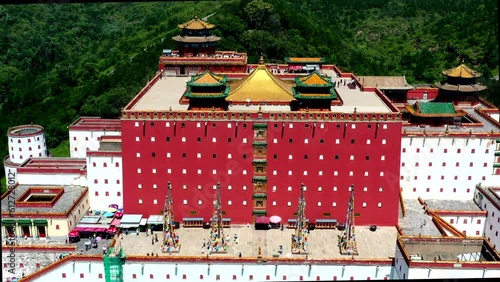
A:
(26, 231)
(41, 231)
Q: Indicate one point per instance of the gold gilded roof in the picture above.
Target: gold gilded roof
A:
(314, 79)
(208, 78)
(298, 60)
(462, 71)
(196, 23)
(260, 85)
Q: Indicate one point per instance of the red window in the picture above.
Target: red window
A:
(134, 276)
(483, 178)
(432, 150)
(117, 164)
(37, 265)
(21, 265)
(468, 190)
(86, 138)
(427, 190)
(105, 181)
(107, 193)
(484, 165)
(95, 181)
(473, 151)
(404, 150)
(38, 146)
(118, 194)
(446, 150)
(440, 189)
(94, 164)
(444, 164)
(415, 177)
(418, 150)
(414, 189)
(151, 276)
(18, 140)
(251, 277)
(416, 164)
(471, 164)
(452, 221)
(402, 164)
(74, 137)
(105, 165)
(168, 276)
(477, 233)
(20, 149)
(465, 220)
(402, 177)
(82, 275)
(478, 221)
(97, 193)
(469, 178)
(454, 190)
(76, 149)
(459, 151)
(118, 181)
(457, 164)
(29, 149)
(428, 177)
(487, 151)
(100, 275)
(57, 226)
(63, 275)
(430, 163)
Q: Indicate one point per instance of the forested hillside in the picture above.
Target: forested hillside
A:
(58, 62)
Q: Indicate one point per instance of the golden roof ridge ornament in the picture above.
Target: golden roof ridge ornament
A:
(261, 59)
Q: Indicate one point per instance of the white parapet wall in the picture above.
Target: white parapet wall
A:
(105, 179)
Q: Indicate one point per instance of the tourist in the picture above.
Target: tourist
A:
(156, 237)
(137, 231)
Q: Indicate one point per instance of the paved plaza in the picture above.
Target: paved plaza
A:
(322, 243)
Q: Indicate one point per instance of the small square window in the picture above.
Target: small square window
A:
(185, 202)
(290, 140)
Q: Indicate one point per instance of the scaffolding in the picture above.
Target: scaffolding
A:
(217, 243)
(113, 265)
(170, 242)
(347, 241)
(300, 243)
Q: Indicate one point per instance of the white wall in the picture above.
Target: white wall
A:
(472, 225)
(462, 178)
(492, 226)
(81, 141)
(102, 169)
(400, 266)
(22, 148)
(193, 271)
(456, 272)
(52, 179)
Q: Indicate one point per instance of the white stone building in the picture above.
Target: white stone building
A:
(488, 199)
(86, 132)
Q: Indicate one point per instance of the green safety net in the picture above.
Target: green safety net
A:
(113, 265)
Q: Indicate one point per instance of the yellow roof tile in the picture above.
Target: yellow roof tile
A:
(196, 23)
(208, 78)
(297, 60)
(260, 85)
(462, 71)
(314, 79)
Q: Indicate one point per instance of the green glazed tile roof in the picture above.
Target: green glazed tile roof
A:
(436, 108)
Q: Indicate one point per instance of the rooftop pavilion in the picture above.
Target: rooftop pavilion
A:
(165, 94)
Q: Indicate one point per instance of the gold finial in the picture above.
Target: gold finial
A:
(260, 108)
(261, 60)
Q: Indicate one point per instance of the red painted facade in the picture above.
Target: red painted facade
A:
(334, 167)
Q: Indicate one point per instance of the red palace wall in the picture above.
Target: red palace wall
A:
(290, 141)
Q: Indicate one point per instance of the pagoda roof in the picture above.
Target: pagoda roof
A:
(207, 78)
(462, 88)
(196, 39)
(314, 80)
(197, 24)
(385, 82)
(462, 71)
(190, 94)
(434, 109)
(315, 60)
(261, 85)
